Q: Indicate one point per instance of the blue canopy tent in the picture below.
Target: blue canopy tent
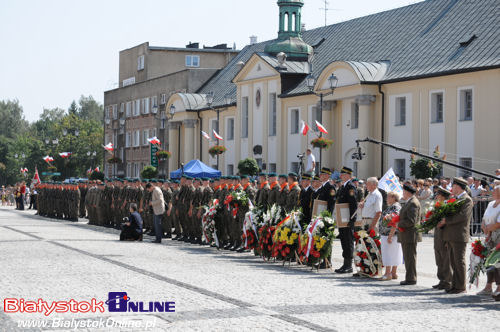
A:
(196, 168)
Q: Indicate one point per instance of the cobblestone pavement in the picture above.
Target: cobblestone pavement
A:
(213, 290)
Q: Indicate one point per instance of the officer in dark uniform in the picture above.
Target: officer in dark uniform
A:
(305, 199)
(327, 191)
(347, 194)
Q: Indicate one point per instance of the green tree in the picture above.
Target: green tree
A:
(248, 166)
(12, 122)
(149, 172)
(90, 109)
(424, 168)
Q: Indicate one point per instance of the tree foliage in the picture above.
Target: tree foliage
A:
(424, 168)
(18, 137)
(248, 166)
(149, 172)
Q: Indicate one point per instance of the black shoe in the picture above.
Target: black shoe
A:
(193, 240)
(228, 246)
(168, 236)
(456, 291)
(441, 287)
(156, 241)
(356, 275)
(344, 269)
(186, 239)
(241, 249)
(437, 286)
(198, 241)
(407, 283)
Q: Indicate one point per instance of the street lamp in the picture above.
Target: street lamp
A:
(311, 82)
(210, 101)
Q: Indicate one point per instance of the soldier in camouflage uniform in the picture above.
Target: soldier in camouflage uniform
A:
(274, 189)
(206, 200)
(262, 197)
(83, 192)
(174, 186)
(196, 207)
(293, 198)
(166, 220)
(283, 191)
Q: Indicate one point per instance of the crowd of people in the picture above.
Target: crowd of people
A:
(176, 209)
(19, 195)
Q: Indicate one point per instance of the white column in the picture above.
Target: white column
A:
(173, 145)
(189, 141)
(366, 166)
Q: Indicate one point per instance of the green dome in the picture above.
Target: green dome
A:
(290, 31)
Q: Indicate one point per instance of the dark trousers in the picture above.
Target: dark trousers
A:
(493, 275)
(346, 235)
(410, 258)
(457, 260)
(129, 233)
(157, 226)
(21, 202)
(442, 257)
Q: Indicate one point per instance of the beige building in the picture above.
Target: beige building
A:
(421, 76)
(135, 111)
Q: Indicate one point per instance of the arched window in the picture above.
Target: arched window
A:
(287, 18)
(294, 22)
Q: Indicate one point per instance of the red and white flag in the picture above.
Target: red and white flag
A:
(321, 128)
(24, 170)
(108, 147)
(304, 128)
(65, 154)
(219, 137)
(96, 169)
(154, 141)
(48, 159)
(89, 171)
(204, 134)
(36, 177)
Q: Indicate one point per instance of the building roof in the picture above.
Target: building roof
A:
(428, 38)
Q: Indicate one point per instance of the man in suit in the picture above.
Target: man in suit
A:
(409, 218)
(456, 236)
(347, 194)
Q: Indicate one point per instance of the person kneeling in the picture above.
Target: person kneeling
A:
(132, 228)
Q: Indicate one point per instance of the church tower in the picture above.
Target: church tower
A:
(290, 32)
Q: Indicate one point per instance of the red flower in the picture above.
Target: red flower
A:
(401, 229)
(451, 200)
(356, 235)
(372, 233)
(497, 247)
(438, 204)
(428, 214)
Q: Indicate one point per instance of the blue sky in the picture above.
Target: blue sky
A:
(53, 51)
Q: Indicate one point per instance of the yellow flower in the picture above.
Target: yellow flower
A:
(316, 238)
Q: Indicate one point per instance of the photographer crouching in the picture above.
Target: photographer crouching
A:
(132, 227)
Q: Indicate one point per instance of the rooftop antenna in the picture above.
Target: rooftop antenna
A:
(326, 9)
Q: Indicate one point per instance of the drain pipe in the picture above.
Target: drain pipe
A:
(382, 135)
(201, 138)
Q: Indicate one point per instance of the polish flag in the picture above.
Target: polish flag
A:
(154, 141)
(204, 134)
(24, 170)
(65, 154)
(36, 177)
(48, 159)
(108, 147)
(89, 171)
(96, 169)
(304, 128)
(321, 128)
(217, 136)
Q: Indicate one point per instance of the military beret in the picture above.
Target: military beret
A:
(271, 175)
(346, 170)
(460, 182)
(244, 176)
(187, 177)
(292, 174)
(326, 170)
(205, 179)
(409, 188)
(306, 177)
(212, 180)
(184, 176)
(443, 192)
(262, 174)
(236, 177)
(177, 181)
(283, 176)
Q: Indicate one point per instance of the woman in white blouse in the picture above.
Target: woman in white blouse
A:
(491, 227)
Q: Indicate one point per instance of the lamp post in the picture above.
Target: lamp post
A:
(311, 82)
(210, 101)
(65, 133)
